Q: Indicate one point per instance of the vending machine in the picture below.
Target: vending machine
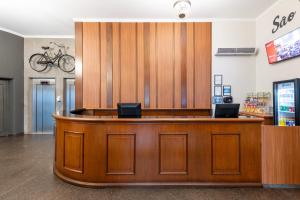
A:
(286, 102)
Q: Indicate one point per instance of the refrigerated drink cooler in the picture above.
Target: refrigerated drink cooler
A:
(286, 102)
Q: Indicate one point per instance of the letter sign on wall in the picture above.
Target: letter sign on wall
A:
(279, 23)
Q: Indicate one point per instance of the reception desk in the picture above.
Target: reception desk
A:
(103, 150)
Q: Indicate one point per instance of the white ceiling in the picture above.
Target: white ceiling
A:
(55, 17)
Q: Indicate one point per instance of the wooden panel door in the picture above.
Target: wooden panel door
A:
(165, 65)
(91, 65)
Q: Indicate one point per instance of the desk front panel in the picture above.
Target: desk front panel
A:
(200, 152)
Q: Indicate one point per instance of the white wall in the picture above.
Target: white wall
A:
(238, 71)
(266, 74)
(31, 46)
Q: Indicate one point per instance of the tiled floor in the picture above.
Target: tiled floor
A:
(26, 173)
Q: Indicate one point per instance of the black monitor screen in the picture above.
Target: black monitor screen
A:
(227, 110)
(129, 110)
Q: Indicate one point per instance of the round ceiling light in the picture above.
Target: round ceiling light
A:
(183, 8)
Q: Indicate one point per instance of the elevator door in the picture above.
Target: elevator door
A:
(3, 107)
(43, 106)
(69, 98)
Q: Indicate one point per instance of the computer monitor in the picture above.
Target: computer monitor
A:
(129, 110)
(227, 110)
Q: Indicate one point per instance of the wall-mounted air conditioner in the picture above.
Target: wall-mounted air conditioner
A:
(236, 52)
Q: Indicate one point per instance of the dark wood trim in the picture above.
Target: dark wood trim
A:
(183, 48)
(78, 66)
(109, 65)
(153, 112)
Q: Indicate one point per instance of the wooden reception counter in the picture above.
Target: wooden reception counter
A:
(103, 150)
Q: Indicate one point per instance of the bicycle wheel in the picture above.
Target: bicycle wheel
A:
(38, 62)
(66, 63)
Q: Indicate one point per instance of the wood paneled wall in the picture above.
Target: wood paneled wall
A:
(161, 65)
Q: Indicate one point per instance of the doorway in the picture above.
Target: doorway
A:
(69, 94)
(43, 105)
(4, 107)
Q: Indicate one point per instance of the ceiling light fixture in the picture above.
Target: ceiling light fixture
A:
(183, 8)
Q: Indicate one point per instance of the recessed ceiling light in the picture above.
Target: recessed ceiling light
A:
(183, 8)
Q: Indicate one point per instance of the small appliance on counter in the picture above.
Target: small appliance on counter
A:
(228, 99)
(286, 100)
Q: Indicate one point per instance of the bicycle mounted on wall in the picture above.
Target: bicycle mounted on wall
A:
(40, 62)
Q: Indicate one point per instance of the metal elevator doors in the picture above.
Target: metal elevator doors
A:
(43, 105)
(4, 107)
(69, 95)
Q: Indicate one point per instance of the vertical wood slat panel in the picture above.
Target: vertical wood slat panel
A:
(162, 65)
(190, 65)
(152, 61)
(91, 63)
(165, 65)
(106, 65)
(140, 64)
(177, 65)
(183, 51)
(116, 78)
(103, 63)
(147, 59)
(78, 64)
(109, 63)
(128, 62)
(202, 42)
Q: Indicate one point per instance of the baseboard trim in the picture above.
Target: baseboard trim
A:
(153, 184)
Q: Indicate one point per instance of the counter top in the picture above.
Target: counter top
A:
(261, 115)
(113, 118)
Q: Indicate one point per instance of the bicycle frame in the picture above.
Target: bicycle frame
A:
(51, 59)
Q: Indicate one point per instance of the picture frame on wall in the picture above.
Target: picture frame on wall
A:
(217, 90)
(226, 90)
(217, 100)
(218, 79)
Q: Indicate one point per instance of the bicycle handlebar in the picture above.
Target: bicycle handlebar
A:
(60, 46)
